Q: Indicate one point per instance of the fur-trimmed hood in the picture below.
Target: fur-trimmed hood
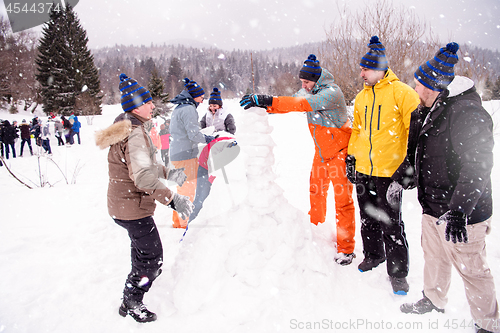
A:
(115, 133)
(119, 131)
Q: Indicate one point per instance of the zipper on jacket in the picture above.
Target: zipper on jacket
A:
(366, 111)
(370, 136)
(378, 124)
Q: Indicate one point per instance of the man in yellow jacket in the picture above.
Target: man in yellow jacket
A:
(330, 128)
(377, 146)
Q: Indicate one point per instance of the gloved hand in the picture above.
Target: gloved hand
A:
(182, 205)
(456, 223)
(394, 193)
(350, 168)
(209, 138)
(177, 175)
(262, 101)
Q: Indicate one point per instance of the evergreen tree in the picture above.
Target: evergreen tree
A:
(156, 87)
(174, 77)
(487, 90)
(495, 91)
(66, 67)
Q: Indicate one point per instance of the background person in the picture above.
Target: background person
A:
(186, 136)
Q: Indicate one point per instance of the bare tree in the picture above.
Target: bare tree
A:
(408, 41)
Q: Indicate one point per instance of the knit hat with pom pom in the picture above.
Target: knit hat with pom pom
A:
(311, 69)
(437, 73)
(133, 95)
(375, 58)
(193, 88)
(215, 97)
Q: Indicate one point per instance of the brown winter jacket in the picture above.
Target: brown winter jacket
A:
(134, 174)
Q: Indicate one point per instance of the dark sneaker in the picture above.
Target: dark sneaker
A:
(344, 259)
(423, 306)
(138, 311)
(399, 285)
(481, 330)
(369, 263)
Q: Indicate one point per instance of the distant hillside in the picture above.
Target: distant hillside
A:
(274, 71)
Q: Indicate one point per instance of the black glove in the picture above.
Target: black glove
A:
(394, 193)
(456, 223)
(262, 101)
(182, 205)
(209, 138)
(177, 175)
(350, 168)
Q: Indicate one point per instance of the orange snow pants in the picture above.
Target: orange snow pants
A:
(322, 174)
(188, 188)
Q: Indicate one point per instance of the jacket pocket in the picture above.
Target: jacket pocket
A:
(147, 202)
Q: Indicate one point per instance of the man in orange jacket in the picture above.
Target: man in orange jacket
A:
(325, 106)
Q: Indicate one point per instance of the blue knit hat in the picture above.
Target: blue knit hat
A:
(311, 70)
(437, 73)
(133, 95)
(193, 88)
(375, 58)
(215, 97)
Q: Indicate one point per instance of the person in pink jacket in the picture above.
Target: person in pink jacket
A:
(165, 141)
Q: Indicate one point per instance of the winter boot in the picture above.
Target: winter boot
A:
(136, 310)
(422, 306)
(399, 285)
(369, 263)
(344, 259)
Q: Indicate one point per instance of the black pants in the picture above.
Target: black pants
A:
(7, 150)
(146, 255)
(60, 141)
(46, 145)
(28, 141)
(382, 229)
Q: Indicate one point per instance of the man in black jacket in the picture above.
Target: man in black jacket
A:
(450, 157)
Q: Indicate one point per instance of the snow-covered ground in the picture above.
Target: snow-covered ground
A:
(250, 262)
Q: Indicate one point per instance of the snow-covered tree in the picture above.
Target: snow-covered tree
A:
(156, 87)
(174, 77)
(66, 66)
(495, 91)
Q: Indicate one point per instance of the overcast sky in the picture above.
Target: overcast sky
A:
(265, 24)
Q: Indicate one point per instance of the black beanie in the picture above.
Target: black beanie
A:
(311, 69)
(437, 73)
(215, 97)
(375, 58)
(193, 88)
(133, 95)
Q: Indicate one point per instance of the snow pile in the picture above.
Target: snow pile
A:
(263, 250)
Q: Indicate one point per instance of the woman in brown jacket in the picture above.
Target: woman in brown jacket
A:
(134, 185)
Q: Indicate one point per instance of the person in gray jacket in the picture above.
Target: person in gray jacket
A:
(59, 132)
(186, 136)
